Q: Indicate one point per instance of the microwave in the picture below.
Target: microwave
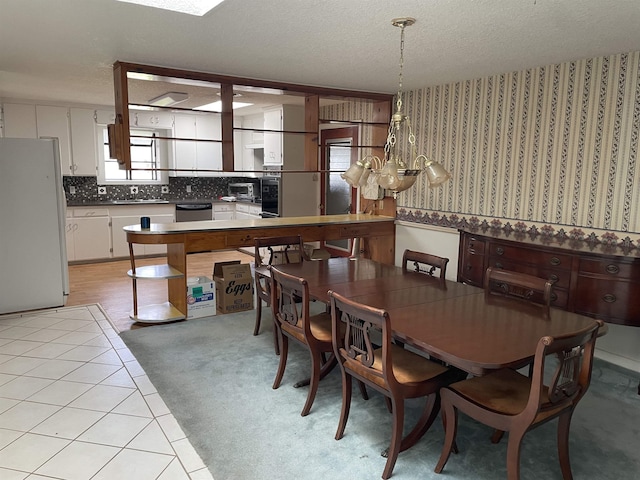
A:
(242, 191)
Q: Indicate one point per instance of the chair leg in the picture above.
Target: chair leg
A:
(513, 454)
(256, 328)
(284, 350)
(316, 364)
(497, 436)
(276, 344)
(564, 423)
(387, 402)
(396, 437)
(451, 427)
(363, 390)
(429, 414)
(346, 403)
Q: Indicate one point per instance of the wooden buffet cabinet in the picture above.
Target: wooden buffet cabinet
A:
(596, 280)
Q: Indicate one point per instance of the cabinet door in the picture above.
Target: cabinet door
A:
(208, 154)
(83, 141)
(158, 249)
(92, 238)
(152, 119)
(119, 237)
(69, 230)
(54, 122)
(273, 140)
(185, 150)
(19, 121)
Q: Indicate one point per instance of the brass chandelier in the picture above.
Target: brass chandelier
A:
(398, 170)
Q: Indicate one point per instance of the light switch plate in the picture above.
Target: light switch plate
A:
(102, 190)
(188, 188)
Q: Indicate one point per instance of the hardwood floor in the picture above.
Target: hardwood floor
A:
(107, 283)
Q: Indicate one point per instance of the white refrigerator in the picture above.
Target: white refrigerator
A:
(33, 256)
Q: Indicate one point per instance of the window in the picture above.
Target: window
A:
(148, 154)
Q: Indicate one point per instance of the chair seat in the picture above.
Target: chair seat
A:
(505, 391)
(320, 328)
(409, 368)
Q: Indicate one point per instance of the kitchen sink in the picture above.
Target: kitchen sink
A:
(138, 200)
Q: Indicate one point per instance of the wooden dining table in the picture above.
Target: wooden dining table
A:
(451, 321)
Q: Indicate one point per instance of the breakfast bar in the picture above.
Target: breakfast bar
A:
(377, 232)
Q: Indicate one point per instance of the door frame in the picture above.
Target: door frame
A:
(326, 135)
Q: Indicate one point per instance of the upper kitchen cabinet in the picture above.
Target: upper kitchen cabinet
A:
(197, 147)
(19, 121)
(144, 119)
(54, 122)
(84, 145)
(284, 137)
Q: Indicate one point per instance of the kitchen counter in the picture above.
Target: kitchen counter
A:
(155, 201)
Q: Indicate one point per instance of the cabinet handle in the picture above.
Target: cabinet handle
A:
(609, 297)
(500, 251)
(554, 278)
(612, 269)
(554, 297)
(555, 261)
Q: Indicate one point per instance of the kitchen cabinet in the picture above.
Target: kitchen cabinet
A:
(224, 211)
(603, 284)
(250, 156)
(191, 156)
(123, 215)
(19, 121)
(88, 234)
(84, 145)
(144, 119)
(247, 210)
(273, 120)
(53, 121)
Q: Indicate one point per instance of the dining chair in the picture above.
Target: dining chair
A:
(425, 263)
(510, 401)
(293, 319)
(267, 251)
(397, 373)
(518, 285)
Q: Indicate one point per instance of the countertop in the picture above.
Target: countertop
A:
(155, 201)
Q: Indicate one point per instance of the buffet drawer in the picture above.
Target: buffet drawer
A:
(609, 267)
(528, 255)
(614, 300)
(559, 278)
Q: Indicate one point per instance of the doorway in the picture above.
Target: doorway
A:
(338, 152)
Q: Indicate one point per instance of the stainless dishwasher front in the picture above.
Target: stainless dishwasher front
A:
(193, 212)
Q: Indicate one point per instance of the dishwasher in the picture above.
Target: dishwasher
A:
(193, 212)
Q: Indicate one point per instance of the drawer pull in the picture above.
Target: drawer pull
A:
(555, 261)
(609, 298)
(554, 278)
(500, 251)
(554, 297)
(612, 269)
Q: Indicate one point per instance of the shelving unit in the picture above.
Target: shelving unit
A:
(157, 313)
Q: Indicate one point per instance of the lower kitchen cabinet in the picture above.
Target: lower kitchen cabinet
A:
(88, 234)
(247, 210)
(224, 211)
(124, 215)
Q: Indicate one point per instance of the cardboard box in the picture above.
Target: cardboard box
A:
(201, 301)
(234, 287)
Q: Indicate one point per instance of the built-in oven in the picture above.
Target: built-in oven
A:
(270, 194)
(243, 191)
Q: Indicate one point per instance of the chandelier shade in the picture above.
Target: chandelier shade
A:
(397, 170)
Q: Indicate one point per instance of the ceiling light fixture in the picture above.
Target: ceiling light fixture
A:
(398, 170)
(168, 99)
(198, 8)
(217, 106)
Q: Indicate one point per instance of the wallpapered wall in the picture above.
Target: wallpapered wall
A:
(556, 145)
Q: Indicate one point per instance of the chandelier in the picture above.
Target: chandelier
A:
(397, 170)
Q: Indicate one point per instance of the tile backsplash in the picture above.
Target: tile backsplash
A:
(86, 189)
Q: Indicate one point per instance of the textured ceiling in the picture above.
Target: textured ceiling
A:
(64, 50)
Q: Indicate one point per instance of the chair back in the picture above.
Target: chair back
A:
(357, 332)
(424, 263)
(572, 355)
(290, 302)
(287, 245)
(518, 285)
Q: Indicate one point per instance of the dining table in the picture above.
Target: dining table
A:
(456, 323)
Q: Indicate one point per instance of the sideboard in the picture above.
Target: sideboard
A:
(601, 281)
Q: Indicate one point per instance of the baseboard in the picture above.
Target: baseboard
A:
(628, 363)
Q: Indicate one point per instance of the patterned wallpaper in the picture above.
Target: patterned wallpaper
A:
(554, 146)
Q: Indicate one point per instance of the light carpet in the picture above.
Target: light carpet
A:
(216, 378)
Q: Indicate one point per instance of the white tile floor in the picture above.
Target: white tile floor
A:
(76, 405)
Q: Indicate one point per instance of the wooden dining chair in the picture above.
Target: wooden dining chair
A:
(510, 401)
(267, 251)
(518, 285)
(393, 371)
(424, 263)
(290, 306)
